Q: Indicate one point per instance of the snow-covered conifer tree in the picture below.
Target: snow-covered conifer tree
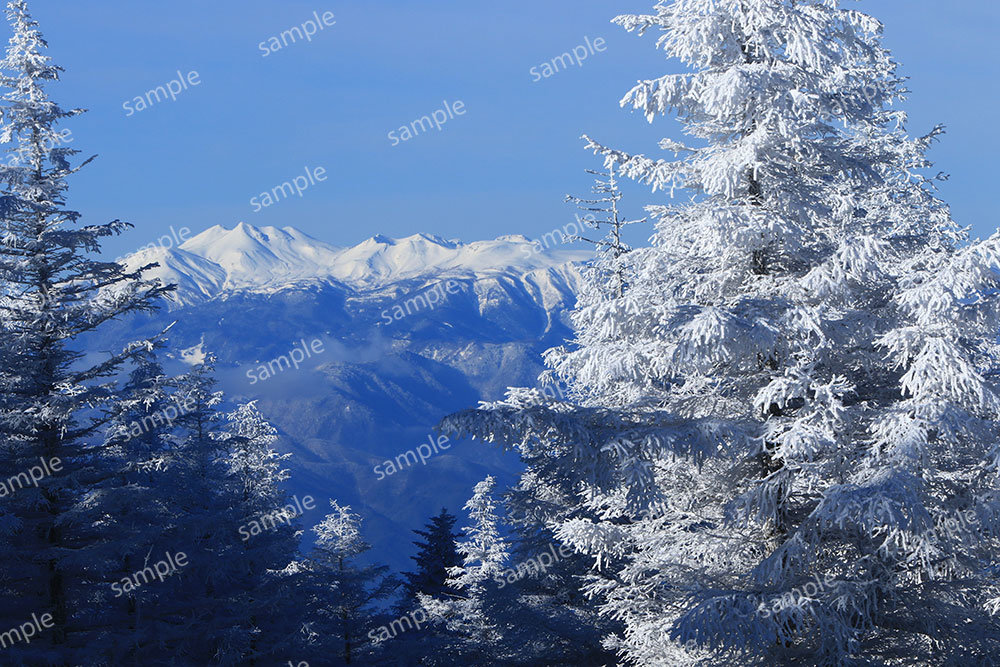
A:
(345, 594)
(131, 510)
(52, 291)
(783, 445)
(471, 616)
(602, 211)
(264, 592)
(206, 530)
(195, 478)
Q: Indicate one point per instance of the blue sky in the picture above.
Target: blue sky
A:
(501, 168)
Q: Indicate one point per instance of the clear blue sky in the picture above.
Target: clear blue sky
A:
(501, 168)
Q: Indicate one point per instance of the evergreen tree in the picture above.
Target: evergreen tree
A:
(135, 511)
(784, 442)
(473, 618)
(345, 593)
(264, 593)
(206, 528)
(436, 555)
(602, 211)
(196, 477)
(52, 291)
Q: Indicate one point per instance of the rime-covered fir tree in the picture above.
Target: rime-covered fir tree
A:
(602, 212)
(195, 603)
(344, 593)
(782, 445)
(262, 597)
(473, 617)
(193, 478)
(231, 602)
(52, 291)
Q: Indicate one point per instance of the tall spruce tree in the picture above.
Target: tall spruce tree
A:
(52, 291)
(784, 444)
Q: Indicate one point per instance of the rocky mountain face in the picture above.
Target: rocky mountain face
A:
(355, 354)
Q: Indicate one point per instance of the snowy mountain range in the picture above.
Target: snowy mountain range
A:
(221, 262)
(411, 330)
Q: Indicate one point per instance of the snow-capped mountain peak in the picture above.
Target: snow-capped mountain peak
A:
(247, 253)
(264, 259)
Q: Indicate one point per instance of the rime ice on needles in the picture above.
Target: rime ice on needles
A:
(800, 382)
(344, 594)
(469, 616)
(603, 212)
(52, 291)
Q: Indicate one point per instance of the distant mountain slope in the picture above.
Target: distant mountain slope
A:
(382, 381)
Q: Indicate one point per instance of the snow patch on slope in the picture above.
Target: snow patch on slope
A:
(194, 355)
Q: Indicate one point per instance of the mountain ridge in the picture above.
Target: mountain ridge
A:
(219, 261)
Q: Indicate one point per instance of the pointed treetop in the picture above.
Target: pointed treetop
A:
(340, 532)
(24, 49)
